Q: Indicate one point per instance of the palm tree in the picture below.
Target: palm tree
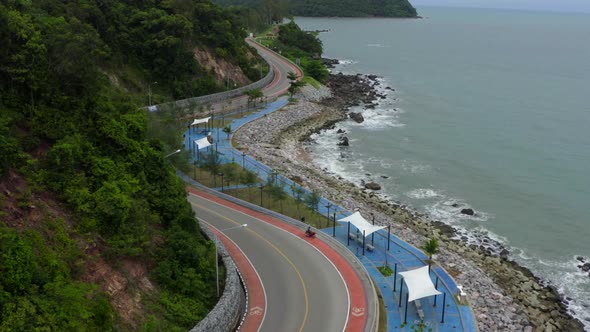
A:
(227, 130)
(292, 76)
(430, 247)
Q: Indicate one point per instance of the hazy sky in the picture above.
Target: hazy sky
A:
(545, 5)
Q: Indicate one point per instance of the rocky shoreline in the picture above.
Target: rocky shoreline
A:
(504, 296)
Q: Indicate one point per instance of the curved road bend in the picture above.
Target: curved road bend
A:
(277, 87)
(304, 290)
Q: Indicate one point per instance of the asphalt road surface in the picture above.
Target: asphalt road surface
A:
(304, 290)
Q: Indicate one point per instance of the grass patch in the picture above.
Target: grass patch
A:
(385, 270)
(235, 175)
(311, 81)
(288, 207)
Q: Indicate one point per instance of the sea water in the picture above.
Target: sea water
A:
(490, 111)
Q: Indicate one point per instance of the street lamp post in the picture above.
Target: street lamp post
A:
(243, 160)
(328, 214)
(334, 226)
(175, 152)
(217, 257)
(150, 93)
(261, 188)
(373, 234)
(221, 174)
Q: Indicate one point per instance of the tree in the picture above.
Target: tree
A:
(211, 161)
(227, 130)
(292, 76)
(317, 70)
(313, 200)
(430, 247)
(298, 193)
(278, 193)
(250, 180)
(254, 95)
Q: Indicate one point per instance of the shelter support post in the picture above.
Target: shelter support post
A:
(347, 235)
(394, 275)
(436, 287)
(444, 304)
(401, 291)
(363, 242)
(406, 311)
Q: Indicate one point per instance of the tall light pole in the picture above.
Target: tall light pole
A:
(175, 152)
(221, 174)
(216, 254)
(150, 93)
(328, 214)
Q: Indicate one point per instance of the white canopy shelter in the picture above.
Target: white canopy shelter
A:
(361, 223)
(197, 121)
(419, 283)
(202, 143)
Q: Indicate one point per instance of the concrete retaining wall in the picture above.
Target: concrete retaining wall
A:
(220, 96)
(227, 313)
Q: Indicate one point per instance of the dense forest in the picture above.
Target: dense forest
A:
(352, 8)
(95, 229)
(276, 9)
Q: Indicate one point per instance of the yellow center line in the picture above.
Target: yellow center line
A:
(278, 251)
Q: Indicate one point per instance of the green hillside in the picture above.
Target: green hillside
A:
(339, 8)
(95, 230)
(352, 8)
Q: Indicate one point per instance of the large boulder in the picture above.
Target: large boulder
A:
(357, 117)
(468, 211)
(373, 186)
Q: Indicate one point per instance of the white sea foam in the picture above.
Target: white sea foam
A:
(345, 62)
(563, 273)
(423, 193)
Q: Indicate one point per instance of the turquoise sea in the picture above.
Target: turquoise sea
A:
(491, 111)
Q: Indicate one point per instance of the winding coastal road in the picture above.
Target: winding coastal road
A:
(305, 285)
(277, 87)
(294, 283)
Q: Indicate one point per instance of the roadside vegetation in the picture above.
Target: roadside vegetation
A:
(95, 229)
(301, 47)
(248, 186)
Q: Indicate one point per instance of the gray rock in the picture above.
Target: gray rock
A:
(373, 186)
(468, 211)
(357, 117)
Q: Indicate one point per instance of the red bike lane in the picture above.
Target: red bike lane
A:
(357, 317)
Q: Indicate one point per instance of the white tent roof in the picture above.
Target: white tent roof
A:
(359, 222)
(202, 143)
(419, 283)
(197, 121)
